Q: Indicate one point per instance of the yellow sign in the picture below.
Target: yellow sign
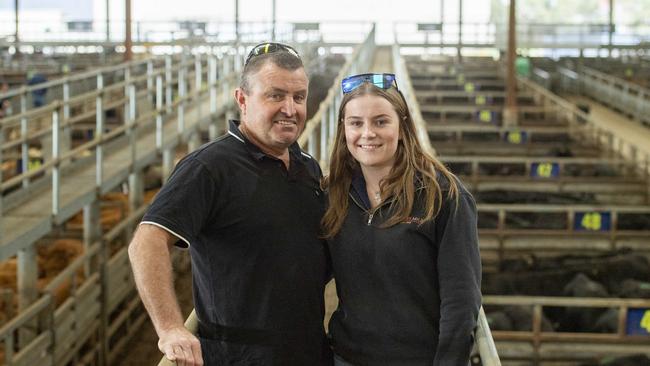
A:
(514, 137)
(645, 321)
(33, 164)
(485, 116)
(480, 100)
(593, 221)
(545, 170)
(469, 87)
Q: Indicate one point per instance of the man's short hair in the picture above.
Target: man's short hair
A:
(282, 59)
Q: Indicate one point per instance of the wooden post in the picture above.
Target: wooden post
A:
(510, 112)
(16, 38)
(460, 30)
(128, 53)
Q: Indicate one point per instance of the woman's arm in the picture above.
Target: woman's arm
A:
(459, 273)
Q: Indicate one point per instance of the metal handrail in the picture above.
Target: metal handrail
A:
(632, 99)
(583, 122)
(485, 342)
(405, 85)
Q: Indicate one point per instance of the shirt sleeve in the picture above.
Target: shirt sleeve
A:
(185, 202)
(459, 273)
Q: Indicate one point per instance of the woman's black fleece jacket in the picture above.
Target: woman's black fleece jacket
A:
(408, 294)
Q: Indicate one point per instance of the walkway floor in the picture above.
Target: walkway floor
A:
(625, 128)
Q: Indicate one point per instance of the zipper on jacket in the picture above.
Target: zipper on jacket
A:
(371, 213)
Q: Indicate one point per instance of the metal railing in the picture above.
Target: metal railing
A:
(631, 99)
(161, 89)
(539, 344)
(578, 120)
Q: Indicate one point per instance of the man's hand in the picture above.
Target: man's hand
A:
(181, 346)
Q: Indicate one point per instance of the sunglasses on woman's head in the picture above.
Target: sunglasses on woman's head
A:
(270, 47)
(384, 81)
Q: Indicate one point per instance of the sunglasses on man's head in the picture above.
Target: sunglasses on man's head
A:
(270, 47)
(384, 81)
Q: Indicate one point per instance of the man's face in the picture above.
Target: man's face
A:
(274, 110)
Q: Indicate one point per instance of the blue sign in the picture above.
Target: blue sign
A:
(592, 221)
(544, 170)
(638, 322)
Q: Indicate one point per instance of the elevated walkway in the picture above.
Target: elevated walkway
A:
(618, 124)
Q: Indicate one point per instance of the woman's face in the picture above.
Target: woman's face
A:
(371, 131)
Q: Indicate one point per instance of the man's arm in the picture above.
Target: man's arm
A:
(150, 257)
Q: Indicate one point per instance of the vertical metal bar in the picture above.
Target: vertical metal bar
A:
(150, 82)
(92, 229)
(132, 128)
(611, 28)
(212, 81)
(198, 81)
(27, 278)
(127, 81)
(128, 42)
(236, 21)
(99, 130)
(108, 21)
(159, 104)
(311, 143)
(460, 29)
(273, 32)
(24, 147)
(55, 168)
(323, 138)
(442, 22)
(225, 71)
(16, 34)
(67, 129)
(167, 163)
(168, 83)
(9, 348)
(181, 98)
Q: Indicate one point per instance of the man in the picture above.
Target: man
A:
(248, 205)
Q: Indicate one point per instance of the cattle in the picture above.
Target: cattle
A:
(517, 318)
(575, 319)
(539, 276)
(634, 289)
(632, 360)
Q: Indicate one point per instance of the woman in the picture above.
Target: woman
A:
(403, 238)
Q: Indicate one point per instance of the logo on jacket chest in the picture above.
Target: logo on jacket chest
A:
(412, 220)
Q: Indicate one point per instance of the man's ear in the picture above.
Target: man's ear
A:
(240, 99)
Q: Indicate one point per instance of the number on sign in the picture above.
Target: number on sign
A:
(592, 221)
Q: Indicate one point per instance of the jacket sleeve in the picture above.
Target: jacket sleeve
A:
(459, 273)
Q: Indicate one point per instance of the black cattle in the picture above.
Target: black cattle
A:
(517, 318)
(540, 276)
(576, 319)
(607, 322)
(633, 289)
(633, 360)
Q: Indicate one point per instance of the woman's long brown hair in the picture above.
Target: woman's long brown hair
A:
(413, 168)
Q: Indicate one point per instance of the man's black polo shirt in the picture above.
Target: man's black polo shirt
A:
(258, 267)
